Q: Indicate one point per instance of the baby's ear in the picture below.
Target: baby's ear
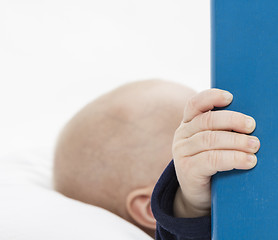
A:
(138, 204)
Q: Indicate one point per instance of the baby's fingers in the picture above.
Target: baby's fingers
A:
(217, 120)
(215, 140)
(206, 164)
(205, 101)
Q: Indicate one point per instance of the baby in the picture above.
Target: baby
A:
(112, 152)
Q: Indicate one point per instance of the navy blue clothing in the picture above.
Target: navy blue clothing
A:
(169, 227)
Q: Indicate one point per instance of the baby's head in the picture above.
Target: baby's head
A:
(112, 152)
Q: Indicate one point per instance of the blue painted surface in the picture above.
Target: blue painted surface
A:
(245, 62)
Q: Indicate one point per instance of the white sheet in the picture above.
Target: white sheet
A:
(31, 209)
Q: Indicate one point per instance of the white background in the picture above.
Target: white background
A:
(57, 55)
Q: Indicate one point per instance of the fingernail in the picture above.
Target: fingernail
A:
(253, 142)
(228, 96)
(250, 123)
(252, 159)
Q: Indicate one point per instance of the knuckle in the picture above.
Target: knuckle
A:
(209, 139)
(234, 139)
(180, 149)
(213, 159)
(180, 133)
(182, 130)
(207, 119)
(176, 149)
(232, 119)
(193, 102)
(234, 156)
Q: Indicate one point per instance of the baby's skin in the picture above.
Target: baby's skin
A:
(207, 142)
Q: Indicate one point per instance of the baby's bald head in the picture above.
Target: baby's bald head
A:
(119, 143)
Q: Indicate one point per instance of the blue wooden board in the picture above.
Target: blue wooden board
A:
(244, 60)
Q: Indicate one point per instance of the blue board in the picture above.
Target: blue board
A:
(245, 62)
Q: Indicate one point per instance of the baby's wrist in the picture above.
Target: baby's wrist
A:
(183, 209)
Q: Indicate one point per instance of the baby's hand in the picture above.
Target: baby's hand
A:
(205, 144)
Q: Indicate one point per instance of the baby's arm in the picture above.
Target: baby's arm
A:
(205, 144)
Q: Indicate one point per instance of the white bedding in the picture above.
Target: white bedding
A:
(31, 209)
(55, 57)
